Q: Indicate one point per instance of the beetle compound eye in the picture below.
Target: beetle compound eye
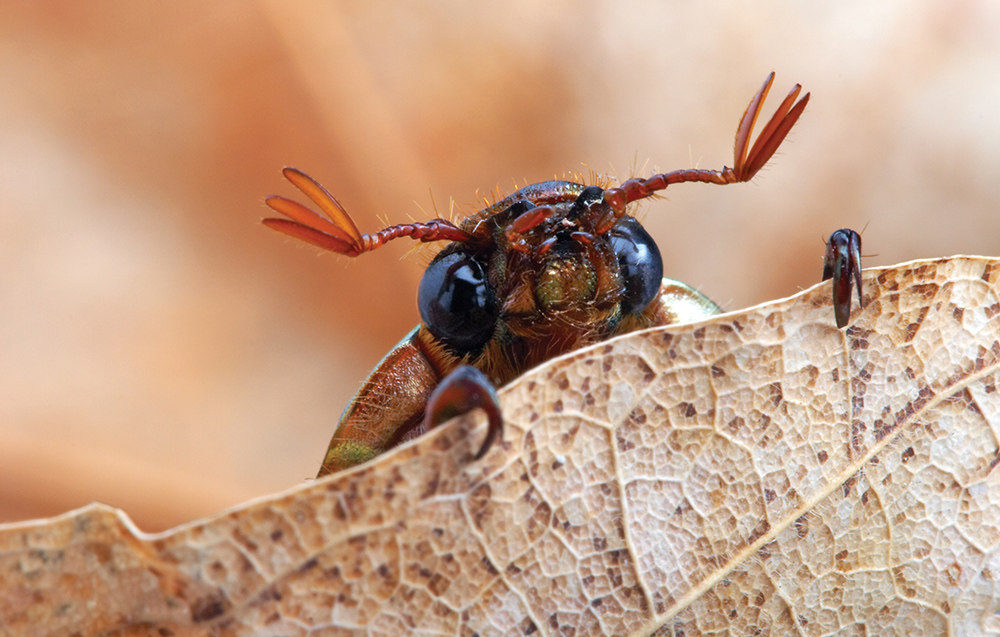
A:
(639, 263)
(457, 303)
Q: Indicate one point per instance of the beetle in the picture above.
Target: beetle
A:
(553, 267)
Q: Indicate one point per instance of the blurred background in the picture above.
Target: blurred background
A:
(163, 352)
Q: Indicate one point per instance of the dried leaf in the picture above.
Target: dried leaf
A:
(762, 472)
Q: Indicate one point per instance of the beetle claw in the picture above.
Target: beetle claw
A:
(461, 391)
(842, 263)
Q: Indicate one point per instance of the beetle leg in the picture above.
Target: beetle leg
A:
(842, 263)
(461, 391)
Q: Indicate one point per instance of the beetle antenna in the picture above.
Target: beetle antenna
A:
(748, 159)
(336, 231)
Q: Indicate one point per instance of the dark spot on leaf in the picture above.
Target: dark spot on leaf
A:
(647, 372)
(432, 487)
(759, 532)
(881, 429)
(615, 576)
(209, 607)
(638, 416)
(988, 272)
(736, 424)
(268, 595)
(776, 394)
(488, 565)
(802, 526)
(624, 444)
(848, 485)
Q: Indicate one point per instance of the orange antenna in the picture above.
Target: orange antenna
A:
(335, 230)
(745, 164)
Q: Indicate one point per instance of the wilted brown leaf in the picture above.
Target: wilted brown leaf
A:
(759, 473)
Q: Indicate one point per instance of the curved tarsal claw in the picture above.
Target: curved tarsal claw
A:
(842, 263)
(460, 392)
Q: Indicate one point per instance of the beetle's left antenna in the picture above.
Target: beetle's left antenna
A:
(746, 163)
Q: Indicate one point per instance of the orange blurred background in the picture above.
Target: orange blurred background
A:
(163, 352)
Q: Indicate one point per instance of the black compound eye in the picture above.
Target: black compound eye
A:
(639, 263)
(457, 303)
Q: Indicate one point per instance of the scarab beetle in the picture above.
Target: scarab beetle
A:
(551, 268)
